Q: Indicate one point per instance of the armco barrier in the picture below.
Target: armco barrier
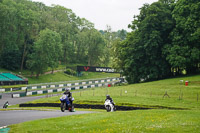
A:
(59, 90)
(87, 106)
(60, 85)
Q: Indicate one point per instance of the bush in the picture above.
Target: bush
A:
(70, 72)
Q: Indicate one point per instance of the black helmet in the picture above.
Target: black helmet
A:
(107, 96)
(67, 90)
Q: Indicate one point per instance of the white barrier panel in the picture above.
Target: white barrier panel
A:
(84, 87)
(50, 91)
(76, 88)
(39, 92)
(34, 87)
(16, 95)
(24, 88)
(69, 84)
(29, 93)
(52, 86)
(90, 82)
(58, 90)
(99, 85)
(2, 90)
(108, 80)
(96, 82)
(43, 87)
(61, 85)
(83, 83)
(76, 83)
(92, 86)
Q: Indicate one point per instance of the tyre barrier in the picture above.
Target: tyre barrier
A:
(85, 106)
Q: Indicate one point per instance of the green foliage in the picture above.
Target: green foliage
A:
(70, 72)
(164, 41)
(184, 52)
(46, 52)
(10, 59)
(141, 53)
(22, 22)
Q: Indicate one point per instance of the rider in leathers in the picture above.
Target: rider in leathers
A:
(69, 95)
(109, 98)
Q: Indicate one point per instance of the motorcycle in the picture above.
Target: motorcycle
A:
(6, 105)
(109, 106)
(66, 104)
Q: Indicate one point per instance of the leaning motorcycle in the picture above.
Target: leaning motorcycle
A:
(6, 105)
(109, 106)
(66, 104)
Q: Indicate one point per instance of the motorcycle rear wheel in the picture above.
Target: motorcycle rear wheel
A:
(72, 108)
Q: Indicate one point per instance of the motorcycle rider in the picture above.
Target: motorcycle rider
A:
(69, 95)
(109, 98)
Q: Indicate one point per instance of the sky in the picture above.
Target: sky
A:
(116, 13)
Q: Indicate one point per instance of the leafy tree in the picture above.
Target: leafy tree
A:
(141, 53)
(95, 47)
(46, 52)
(22, 24)
(9, 50)
(184, 51)
(10, 59)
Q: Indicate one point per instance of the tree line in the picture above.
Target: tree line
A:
(34, 36)
(164, 42)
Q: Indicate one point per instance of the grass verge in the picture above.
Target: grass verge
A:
(143, 94)
(130, 121)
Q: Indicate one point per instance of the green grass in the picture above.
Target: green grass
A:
(61, 76)
(144, 94)
(58, 76)
(115, 122)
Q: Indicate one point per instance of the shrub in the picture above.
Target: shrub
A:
(70, 72)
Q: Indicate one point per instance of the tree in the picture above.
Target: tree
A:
(10, 59)
(46, 52)
(95, 47)
(184, 51)
(8, 35)
(141, 53)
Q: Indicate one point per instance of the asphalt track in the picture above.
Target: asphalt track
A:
(14, 101)
(18, 116)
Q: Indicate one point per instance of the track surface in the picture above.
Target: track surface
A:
(18, 116)
(13, 101)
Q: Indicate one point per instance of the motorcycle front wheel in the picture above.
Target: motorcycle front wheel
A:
(108, 108)
(63, 106)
